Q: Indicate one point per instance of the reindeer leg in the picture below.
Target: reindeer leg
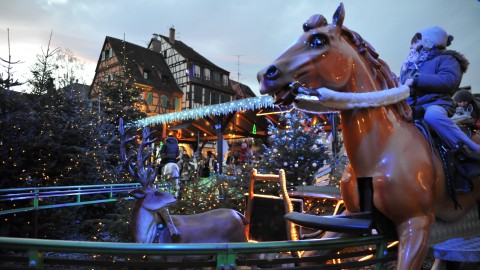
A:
(174, 233)
(413, 239)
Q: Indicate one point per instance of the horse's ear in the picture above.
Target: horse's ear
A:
(339, 16)
(314, 21)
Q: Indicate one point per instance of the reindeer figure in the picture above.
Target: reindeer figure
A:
(145, 172)
(150, 215)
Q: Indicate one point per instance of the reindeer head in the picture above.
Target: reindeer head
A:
(152, 199)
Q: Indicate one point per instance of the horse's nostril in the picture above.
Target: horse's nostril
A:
(272, 72)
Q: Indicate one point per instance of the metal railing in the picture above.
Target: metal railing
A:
(41, 253)
(37, 198)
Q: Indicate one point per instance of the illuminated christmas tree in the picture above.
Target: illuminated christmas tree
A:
(299, 148)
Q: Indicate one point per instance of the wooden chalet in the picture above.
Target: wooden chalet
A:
(144, 69)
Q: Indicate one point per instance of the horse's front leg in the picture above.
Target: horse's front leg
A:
(349, 190)
(413, 242)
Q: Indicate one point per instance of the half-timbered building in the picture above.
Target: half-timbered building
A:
(202, 82)
(144, 69)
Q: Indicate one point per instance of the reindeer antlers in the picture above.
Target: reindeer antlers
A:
(143, 170)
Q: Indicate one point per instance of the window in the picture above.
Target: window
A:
(103, 55)
(225, 98)
(207, 74)
(216, 77)
(145, 74)
(215, 97)
(207, 97)
(110, 53)
(164, 101)
(197, 94)
(225, 80)
(108, 77)
(196, 71)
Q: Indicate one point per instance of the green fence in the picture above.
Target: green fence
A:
(38, 198)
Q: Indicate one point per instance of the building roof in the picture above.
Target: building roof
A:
(81, 88)
(191, 54)
(242, 90)
(159, 76)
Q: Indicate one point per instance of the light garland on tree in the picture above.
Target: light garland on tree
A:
(218, 109)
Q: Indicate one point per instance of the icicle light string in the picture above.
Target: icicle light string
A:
(218, 109)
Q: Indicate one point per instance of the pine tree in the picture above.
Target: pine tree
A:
(299, 149)
(55, 137)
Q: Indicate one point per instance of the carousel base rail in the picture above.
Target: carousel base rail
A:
(23, 253)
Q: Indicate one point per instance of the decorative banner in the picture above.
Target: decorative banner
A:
(218, 109)
(254, 129)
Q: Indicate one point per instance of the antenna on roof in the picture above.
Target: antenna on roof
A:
(238, 66)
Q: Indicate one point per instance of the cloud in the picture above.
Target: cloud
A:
(258, 30)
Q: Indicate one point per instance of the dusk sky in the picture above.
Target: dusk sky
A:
(239, 36)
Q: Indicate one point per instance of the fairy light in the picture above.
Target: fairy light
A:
(217, 109)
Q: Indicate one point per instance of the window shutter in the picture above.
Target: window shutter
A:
(150, 98)
(177, 104)
(164, 101)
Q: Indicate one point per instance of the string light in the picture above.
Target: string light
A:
(218, 109)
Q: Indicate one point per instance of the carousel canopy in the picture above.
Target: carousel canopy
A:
(238, 119)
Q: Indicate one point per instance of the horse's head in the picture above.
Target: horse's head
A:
(323, 56)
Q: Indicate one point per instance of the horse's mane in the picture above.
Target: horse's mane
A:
(381, 70)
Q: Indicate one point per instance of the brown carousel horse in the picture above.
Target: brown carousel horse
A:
(380, 139)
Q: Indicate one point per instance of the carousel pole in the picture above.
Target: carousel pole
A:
(219, 129)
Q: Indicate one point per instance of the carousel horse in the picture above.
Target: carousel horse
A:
(336, 70)
(171, 171)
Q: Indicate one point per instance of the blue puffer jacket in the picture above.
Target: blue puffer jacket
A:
(436, 79)
(170, 150)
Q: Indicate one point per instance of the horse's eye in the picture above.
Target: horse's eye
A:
(318, 41)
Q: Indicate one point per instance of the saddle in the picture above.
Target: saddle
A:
(459, 164)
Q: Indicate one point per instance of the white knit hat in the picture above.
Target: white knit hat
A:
(435, 36)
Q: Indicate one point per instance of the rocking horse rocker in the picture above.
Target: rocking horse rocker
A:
(386, 150)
